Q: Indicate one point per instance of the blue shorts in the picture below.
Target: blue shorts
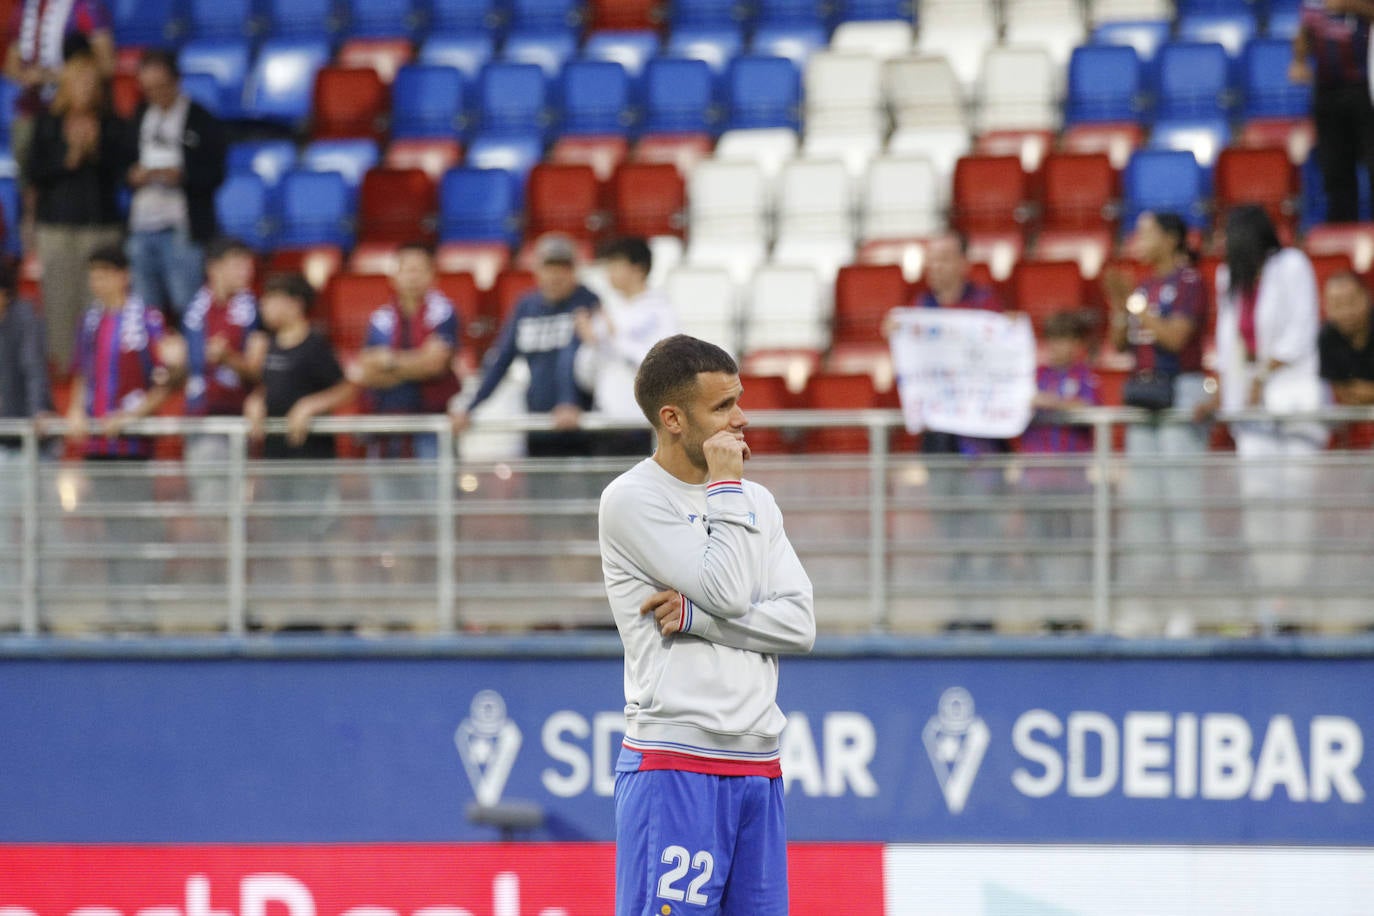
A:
(687, 844)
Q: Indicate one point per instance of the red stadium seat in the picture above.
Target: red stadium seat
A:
(908, 254)
(125, 94)
(484, 260)
(603, 153)
(384, 55)
(1080, 189)
(318, 263)
(434, 156)
(1296, 136)
(350, 301)
(510, 285)
(477, 328)
(839, 392)
(397, 205)
(1089, 247)
(874, 359)
(1258, 176)
(997, 252)
(990, 194)
(648, 199)
(563, 198)
(766, 392)
(1355, 240)
(1117, 140)
(863, 295)
(350, 103)
(625, 14)
(1042, 288)
(682, 151)
(794, 365)
(1030, 146)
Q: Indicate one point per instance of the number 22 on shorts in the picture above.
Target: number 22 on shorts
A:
(683, 861)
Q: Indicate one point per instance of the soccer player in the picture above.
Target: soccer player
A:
(706, 592)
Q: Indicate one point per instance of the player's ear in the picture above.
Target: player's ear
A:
(670, 418)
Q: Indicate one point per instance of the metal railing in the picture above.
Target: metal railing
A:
(894, 541)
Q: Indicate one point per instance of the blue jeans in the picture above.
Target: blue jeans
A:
(168, 268)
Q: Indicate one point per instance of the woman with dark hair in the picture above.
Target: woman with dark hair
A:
(1267, 324)
(1162, 322)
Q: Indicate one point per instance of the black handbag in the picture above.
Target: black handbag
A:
(1149, 389)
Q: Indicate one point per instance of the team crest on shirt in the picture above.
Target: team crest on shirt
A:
(488, 743)
(956, 739)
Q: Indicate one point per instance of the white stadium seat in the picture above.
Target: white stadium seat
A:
(960, 29)
(738, 256)
(1127, 10)
(728, 200)
(788, 307)
(706, 301)
(1019, 89)
(882, 39)
(815, 200)
(902, 198)
(770, 148)
(924, 91)
(1056, 25)
(943, 146)
(856, 151)
(844, 93)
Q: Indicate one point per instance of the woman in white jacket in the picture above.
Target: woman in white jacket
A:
(1267, 324)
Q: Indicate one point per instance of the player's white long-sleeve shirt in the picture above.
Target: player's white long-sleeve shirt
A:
(708, 693)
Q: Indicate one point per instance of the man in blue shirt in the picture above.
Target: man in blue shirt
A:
(542, 330)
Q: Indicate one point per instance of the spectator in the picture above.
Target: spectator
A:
(225, 346)
(1345, 344)
(1162, 322)
(301, 380)
(178, 152)
(42, 36)
(1267, 323)
(1064, 382)
(541, 330)
(950, 286)
(119, 377)
(407, 368)
(24, 394)
(1335, 34)
(75, 164)
(615, 341)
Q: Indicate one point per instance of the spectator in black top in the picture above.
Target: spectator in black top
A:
(178, 155)
(75, 162)
(1345, 344)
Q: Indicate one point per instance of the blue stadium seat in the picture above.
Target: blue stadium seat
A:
(1282, 21)
(632, 49)
(679, 97)
(549, 51)
(302, 18)
(596, 98)
(220, 18)
(349, 158)
(464, 16)
(512, 98)
(707, 12)
(428, 101)
(226, 61)
(203, 88)
(381, 18)
(478, 205)
(269, 160)
(1204, 139)
(316, 208)
(9, 97)
(545, 14)
(789, 13)
(1192, 7)
(1105, 83)
(763, 92)
(796, 43)
(1231, 31)
(283, 77)
(717, 46)
(1145, 35)
(851, 10)
(513, 153)
(153, 23)
(467, 51)
(9, 209)
(1264, 86)
(1163, 180)
(1194, 80)
(241, 205)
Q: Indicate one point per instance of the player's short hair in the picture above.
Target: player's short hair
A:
(632, 249)
(224, 246)
(668, 373)
(109, 256)
(293, 285)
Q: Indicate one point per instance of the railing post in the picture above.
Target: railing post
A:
(28, 575)
(1102, 522)
(236, 571)
(444, 547)
(879, 611)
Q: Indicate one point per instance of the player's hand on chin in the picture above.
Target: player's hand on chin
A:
(666, 606)
(726, 452)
